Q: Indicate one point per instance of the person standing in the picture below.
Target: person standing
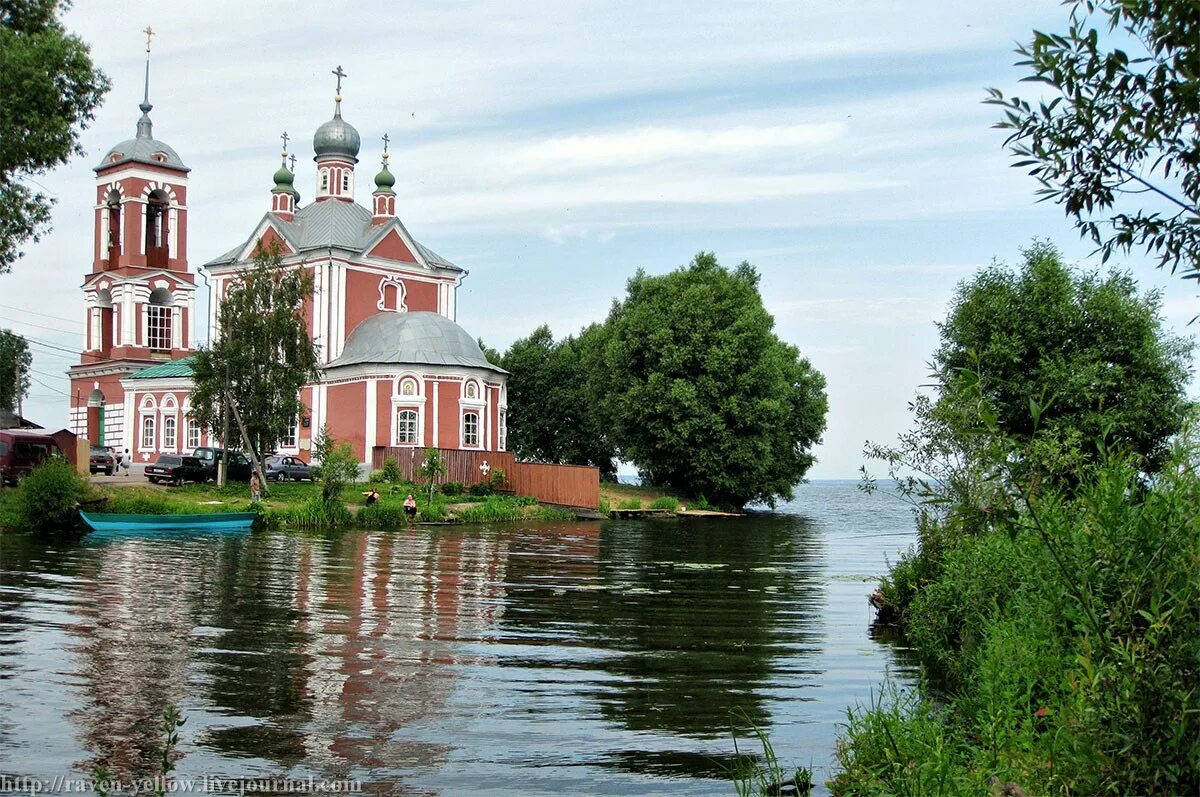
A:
(255, 488)
(123, 464)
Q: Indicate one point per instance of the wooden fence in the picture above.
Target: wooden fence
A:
(566, 485)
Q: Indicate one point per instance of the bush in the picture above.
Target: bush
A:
(315, 513)
(47, 499)
(391, 472)
(381, 516)
(339, 466)
(630, 503)
(453, 488)
(483, 488)
(665, 502)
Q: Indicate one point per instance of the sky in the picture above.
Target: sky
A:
(552, 149)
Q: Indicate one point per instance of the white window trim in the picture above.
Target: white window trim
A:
(167, 445)
(420, 425)
(152, 417)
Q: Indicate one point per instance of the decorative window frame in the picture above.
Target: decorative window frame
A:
(414, 402)
(477, 405)
(462, 428)
(168, 410)
(190, 423)
(147, 411)
(416, 412)
(401, 294)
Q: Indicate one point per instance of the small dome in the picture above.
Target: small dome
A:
(284, 179)
(337, 137)
(419, 338)
(385, 179)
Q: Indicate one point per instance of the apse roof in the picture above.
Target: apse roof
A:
(175, 368)
(417, 338)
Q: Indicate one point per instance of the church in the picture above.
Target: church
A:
(396, 369)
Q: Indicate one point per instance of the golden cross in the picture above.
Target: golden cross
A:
(340, 74)
(149, 31)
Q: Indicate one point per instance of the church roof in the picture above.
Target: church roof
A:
(332, 223)
(418, 338)
(143, 148)
(172, 369)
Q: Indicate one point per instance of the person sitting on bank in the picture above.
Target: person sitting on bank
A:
(372, 496)
(410, 507)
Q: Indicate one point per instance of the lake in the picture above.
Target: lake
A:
(587, 658)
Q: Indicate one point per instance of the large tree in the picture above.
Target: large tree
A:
(264, 353)
(15, 361)
(551, 415)
(701, 394)
(1066, 362)
(51, 91)
(1116, 144)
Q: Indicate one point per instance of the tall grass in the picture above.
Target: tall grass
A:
(762, 775)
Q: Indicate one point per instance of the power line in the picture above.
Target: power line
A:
(37, 326)
(74, 321)
(56, 390)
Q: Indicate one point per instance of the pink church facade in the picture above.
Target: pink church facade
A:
(396, 369)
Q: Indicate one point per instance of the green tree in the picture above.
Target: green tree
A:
(264, 352)
(15, 361)
(552, 416)
(51, 92)
(338, 465)
(702, 395)
(1116, 143)
(431, 469)
(1067, 361)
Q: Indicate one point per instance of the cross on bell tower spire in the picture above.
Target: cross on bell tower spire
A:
(337, 98)
(144, 128)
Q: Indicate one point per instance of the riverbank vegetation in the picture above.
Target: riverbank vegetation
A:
(1052, 597)
(686, 379)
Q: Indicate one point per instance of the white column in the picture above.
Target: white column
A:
(127, 316)
(372, 408)
(104, 230)
(171, 231)
(176, 327)
(436, 403)
(143, 208)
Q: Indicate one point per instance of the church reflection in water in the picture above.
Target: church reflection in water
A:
(297, 654)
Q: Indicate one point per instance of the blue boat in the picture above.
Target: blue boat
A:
(223, 521)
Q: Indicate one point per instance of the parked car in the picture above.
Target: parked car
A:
(21, 451)
(282, 468)
(102, 459)
(239, 463)
(176, 469)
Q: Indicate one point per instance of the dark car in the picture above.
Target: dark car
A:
(102, 459)
(239, 463)
(176, 469)
(21, 451)
(282, 468)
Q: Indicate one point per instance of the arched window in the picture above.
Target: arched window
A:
(193, 434)
(170, 441)
(158, 320)
(324, 179)
(346, 182)
(102, 322)
(148, 432)
(471, 429)
(113, 243)
(503, 431)
(406, 428)
(157, 207)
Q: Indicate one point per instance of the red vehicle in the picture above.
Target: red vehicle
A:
(21, 451)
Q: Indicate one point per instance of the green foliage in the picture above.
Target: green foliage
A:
(315, 513)
(264, 352)
(764, 776)
(1065, 360)
(391, 471)
(605, 506)
(47, 498)
(630, 503)
(339, 466)
(432, 468)
(15, 362)
(1115, 143)
(381, 516)
(496, 509)
(1070, 637)
(453, 488)
(432, 513)
(552, 414)
(701, 394)
(51, 92)
(481, 488)
(665, 502)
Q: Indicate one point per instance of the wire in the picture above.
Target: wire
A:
(74, 321)
(37, 326)
(56, 390)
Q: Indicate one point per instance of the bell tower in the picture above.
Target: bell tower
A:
(139, 295)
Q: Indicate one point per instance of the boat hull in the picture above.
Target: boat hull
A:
(216, 521)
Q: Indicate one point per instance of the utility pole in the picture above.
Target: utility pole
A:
(223, 465)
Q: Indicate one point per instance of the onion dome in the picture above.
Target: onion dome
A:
(337, 137)
(384, 180)
(284, 179)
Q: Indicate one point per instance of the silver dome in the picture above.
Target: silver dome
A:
(144, 148)
(419, 338)
(337, 137)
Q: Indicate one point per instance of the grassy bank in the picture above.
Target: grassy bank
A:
(299, 505)
(1064, 636)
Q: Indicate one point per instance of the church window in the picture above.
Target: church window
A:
(168, 431)
(503, 429)
(406, 427)
(193, 434)
(345, 182)
(102, 322)
(158, 320)
(408, 388)
(471, 429)
(148, 431)
(324, 179)
(391, 294)
(114, 224)
(289, 438)
(157, 207)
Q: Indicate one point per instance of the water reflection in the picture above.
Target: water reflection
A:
(610, 658)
